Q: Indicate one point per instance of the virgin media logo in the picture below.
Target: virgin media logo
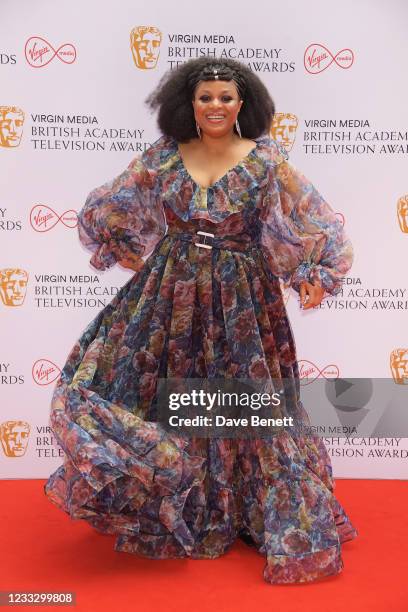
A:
(43, 218)
(317, 58)
(45, 372)
(39, 52)
(309, 372)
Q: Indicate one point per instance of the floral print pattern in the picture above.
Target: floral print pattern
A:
(189, 312)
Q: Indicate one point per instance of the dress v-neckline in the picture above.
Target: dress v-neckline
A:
(223, 177)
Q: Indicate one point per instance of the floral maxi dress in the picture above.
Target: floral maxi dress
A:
(191, 312)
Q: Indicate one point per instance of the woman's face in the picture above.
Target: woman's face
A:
(216, 107)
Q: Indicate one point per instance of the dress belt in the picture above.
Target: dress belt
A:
(207, 240)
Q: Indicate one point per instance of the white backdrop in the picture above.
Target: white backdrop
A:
(72, 116)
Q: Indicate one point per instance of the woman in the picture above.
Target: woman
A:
(203, 305)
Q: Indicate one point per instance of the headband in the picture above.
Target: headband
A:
(221, 72)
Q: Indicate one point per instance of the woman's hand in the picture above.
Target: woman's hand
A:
(314, 292)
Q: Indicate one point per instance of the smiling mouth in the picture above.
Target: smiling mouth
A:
(215, 118)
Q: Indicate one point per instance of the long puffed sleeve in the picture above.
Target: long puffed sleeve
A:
(301, 236)
(123, 219)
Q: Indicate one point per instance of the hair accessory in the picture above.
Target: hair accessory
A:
(218, 71)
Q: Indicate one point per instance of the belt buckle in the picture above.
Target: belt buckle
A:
(202, 244)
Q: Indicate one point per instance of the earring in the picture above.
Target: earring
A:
(238, 128)
(198, 130)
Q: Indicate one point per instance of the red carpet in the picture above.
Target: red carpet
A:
(43, 549)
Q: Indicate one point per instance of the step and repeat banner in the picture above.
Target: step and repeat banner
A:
(73, 80)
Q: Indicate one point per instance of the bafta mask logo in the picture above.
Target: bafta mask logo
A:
(11, 126)
(145, 45)
(14, 437)
(399, 365)
(283, 129)
(402, 213)
(13, 286)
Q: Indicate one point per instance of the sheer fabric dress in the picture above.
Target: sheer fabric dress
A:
(189, 312)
